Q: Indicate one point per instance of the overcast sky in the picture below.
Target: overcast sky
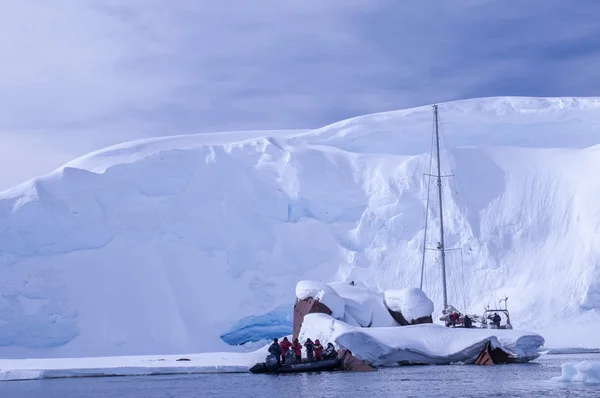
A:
(77, 75)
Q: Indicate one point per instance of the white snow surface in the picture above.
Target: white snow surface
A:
(160, 246)
(216, 362)
(581, 372)
(363, 306)
(422, 344)
(413, 303)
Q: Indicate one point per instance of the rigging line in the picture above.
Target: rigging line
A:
(427, 207)
(462, 271)
(456, 285)
(460, 195)
(439, 127)
(458, 186)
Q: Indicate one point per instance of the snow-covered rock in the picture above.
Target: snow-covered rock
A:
(412, 303)
(162, 245)
(355, 305)
(322, 292)
(583, 372)
(418, 344)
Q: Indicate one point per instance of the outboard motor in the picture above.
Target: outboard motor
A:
(290, 357)
(271, 362)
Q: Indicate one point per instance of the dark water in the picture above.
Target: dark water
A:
(526, 380)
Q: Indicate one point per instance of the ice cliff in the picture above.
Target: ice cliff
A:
(162, 246)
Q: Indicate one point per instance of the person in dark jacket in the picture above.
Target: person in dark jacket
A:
(285, 347)
(496, 320)
(318, 350)
(468, 322)
(275, 350)
(297, 347)
(309, 349)
(330, 352)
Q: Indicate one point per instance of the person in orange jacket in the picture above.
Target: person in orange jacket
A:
(318, 350)
(285, 347)
(297, 347)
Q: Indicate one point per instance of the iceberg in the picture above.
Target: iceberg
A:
(167, 243)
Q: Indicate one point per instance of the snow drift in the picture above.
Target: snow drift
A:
(411, 302)
(161, 246)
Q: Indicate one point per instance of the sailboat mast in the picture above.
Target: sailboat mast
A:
(441, 246)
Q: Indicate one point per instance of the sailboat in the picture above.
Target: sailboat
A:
(321, 311)
(450, 315)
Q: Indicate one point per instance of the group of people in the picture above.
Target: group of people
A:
(286, 352)
(454, 319)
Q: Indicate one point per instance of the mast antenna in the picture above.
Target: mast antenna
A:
(441, 246)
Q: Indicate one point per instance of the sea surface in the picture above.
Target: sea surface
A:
(523, 380)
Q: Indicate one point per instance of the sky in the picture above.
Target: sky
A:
(79, 75)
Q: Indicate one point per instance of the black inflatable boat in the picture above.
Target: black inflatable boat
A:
(314, 366)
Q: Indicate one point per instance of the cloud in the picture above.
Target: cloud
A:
(103, 71)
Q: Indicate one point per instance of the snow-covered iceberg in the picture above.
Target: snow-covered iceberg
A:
(168, 243)
(419, 344)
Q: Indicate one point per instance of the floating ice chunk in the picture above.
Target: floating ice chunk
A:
(413, 303)
(583, 372)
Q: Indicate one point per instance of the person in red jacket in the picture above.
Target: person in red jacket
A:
(297, 347)
(285, 347)
(318, 350)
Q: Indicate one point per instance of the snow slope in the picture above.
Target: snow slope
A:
(161, 246)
